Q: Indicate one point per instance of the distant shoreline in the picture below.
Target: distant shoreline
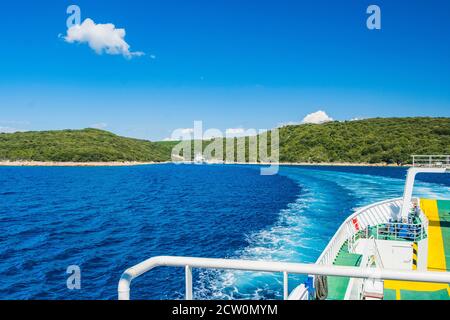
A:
(73, 164)
(330, 164)
(134, 163)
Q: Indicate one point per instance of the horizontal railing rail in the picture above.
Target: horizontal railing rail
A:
(273, 267)
(431, 161)
(400, 231)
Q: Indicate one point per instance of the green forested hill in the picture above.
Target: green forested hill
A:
(86, 145)
(388, 140)
(379, 140)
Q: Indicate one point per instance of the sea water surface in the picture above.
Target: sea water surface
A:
(106, 219)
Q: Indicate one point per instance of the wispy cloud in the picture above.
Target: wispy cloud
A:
(9, 130)
(181, 134)
(240, 132)
(234, 132)
(102, 38)
(11, 126)
(289, 123)
(188, 134)
(100, 125)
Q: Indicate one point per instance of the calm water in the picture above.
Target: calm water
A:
(107, 219)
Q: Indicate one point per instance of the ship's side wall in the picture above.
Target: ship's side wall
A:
(371, 215)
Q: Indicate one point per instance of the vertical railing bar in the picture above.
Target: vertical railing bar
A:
(188, 272)
(285, 285)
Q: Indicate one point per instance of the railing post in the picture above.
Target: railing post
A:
(285, 285)
(422, 230)
(188, 271)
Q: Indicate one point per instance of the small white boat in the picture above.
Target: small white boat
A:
(199, 159)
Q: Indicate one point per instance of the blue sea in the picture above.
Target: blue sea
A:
(106, 219)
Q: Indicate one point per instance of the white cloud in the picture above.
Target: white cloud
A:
(186, 131)
(11, 126)
(101, 38)
(181, 134)
(100, 125)
(317, 118)
(9, 130)
(240, 132)
(234, 132)
(188, 134)
(212, 134)
(289, 123)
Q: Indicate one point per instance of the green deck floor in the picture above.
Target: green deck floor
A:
(337, 286)
(417, 295)
(444, 217)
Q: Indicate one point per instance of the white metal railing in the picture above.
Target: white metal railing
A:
(424, 220)
(353, 239)
(431, 161)
(371, 215)
(262, 266)
(377, 256)
(400, 231)
(370, 255)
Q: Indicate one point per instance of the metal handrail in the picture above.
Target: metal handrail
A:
(376, 253)
(439, 161)
(263, 266)
(415, 231)
(366, 262)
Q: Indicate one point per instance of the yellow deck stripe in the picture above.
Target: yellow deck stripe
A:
(436, 254)
(414, 286)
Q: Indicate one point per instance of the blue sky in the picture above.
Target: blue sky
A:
(229, 63)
